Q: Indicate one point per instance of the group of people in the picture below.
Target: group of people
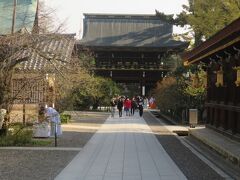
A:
(128, 105)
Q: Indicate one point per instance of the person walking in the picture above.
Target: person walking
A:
(120, 106)
(113, 104)
(140, 105)
(133, 105)
(127, 106)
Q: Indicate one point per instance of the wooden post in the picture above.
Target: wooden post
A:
(140, 86)
(24, 112)
(14, 15)
(55, 133)
(143, 84)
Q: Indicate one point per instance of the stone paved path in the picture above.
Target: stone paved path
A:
(123, 149)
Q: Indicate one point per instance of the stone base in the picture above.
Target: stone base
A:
(41, 130)
(224, 146)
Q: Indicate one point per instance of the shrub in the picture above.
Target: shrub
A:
(16, 136)
(23, 137)
(65, 118)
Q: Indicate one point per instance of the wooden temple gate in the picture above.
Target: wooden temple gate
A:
(143, 69)
(130, 49)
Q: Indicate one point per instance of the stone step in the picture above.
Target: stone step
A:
(226, 147)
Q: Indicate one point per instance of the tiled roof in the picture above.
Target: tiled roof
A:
(227, 37)
(127, 31)
(47, 52)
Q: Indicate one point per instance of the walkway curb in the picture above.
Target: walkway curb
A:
(225, 146)
(42, 148)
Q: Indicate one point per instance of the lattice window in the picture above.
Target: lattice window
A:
(28, 90)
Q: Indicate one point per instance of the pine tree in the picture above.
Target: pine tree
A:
(205, 17)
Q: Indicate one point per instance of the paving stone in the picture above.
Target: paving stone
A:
(189, 164)
(127, 149)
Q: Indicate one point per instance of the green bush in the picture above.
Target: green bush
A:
(17, 136)
(41, 142)
(65, 118)
(24, 137)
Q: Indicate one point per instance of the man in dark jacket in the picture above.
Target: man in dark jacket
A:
(133, 106)
(140, 105)
(120, 106)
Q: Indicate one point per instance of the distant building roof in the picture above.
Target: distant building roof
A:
(25, 15)
(51, 51)
(112, 30)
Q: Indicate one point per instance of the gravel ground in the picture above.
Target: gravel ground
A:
(46, 164)
(33, 165)
(192, 167)
(81, 129)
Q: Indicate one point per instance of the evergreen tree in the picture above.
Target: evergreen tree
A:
(205, 17)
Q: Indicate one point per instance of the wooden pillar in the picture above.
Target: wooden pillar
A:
(143, 87)
(140, 87)
(216, 117)
(223, 119)
(208, 116)
(237, 123)
(212, 111)
(24, 111)
(237, 91)
(232, 121)
(226, 120)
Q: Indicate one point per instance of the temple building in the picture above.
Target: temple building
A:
(221, 56)
(34, 80)
(130, 49)
(41, 58)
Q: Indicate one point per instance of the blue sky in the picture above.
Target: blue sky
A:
(71, 11)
